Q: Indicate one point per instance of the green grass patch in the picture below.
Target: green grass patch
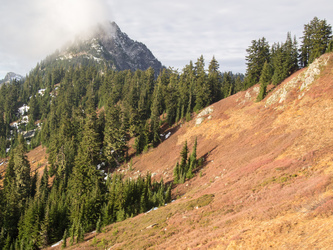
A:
(280, 179)
(200, 202)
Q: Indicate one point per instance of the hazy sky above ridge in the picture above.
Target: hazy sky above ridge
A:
(175, 31)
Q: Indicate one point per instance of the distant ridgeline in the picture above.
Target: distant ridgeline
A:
(91, 99)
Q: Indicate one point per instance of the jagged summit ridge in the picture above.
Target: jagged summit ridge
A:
(106, 43)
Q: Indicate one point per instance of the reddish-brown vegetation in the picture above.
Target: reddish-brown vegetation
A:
(269, 169)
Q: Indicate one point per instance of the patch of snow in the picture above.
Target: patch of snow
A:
(25, 119)
(41, 92)
(97, 59)
(167, 135)
(56, 244)
(25, 108)
(15, 125)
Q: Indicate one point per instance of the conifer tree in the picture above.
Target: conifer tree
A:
(330, 46)
(202, 93)
(192, 162)
(176, 174)
(22, 174)
(99, 225)
(84, 177)
(227, 87)
(214, 79)
(265, 78)
(316, 37)
(115, 142)
(142, 141)
(64, 239)
(80, 234)
(155, 114)
(258, 53)
(171, 99)
(33, 109)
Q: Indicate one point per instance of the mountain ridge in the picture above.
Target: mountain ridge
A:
(106, 44)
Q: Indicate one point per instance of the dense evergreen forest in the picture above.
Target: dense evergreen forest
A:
(85, 114)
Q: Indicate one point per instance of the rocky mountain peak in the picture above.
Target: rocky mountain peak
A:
(106, 43)
(10, 76)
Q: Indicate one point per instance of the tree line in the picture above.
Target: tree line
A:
(272, 64)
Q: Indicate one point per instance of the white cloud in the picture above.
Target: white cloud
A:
(32, 29)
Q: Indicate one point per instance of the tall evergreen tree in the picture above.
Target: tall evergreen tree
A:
(155, 113)
(85, 176)
(22, 174)
(115, 141)
(265, 78)
(214, 79)
(258, 54)
(202, 90)
(315, 40)
(171, 98)
(284, 59)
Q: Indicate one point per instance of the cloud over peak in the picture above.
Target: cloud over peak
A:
(32, 29)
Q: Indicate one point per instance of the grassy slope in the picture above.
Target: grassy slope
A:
(266, 181)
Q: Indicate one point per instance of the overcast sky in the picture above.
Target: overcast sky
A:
(175, 31)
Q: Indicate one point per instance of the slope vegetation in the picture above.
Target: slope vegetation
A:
(266, 179)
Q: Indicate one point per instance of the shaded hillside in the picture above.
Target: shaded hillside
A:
(266, 179)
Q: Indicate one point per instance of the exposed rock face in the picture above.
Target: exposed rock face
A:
(306, 78)
(106, 43)
(204, 113)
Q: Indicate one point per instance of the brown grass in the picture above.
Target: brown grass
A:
(270, 171)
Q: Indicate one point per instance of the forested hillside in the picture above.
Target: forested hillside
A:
(85, 114)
